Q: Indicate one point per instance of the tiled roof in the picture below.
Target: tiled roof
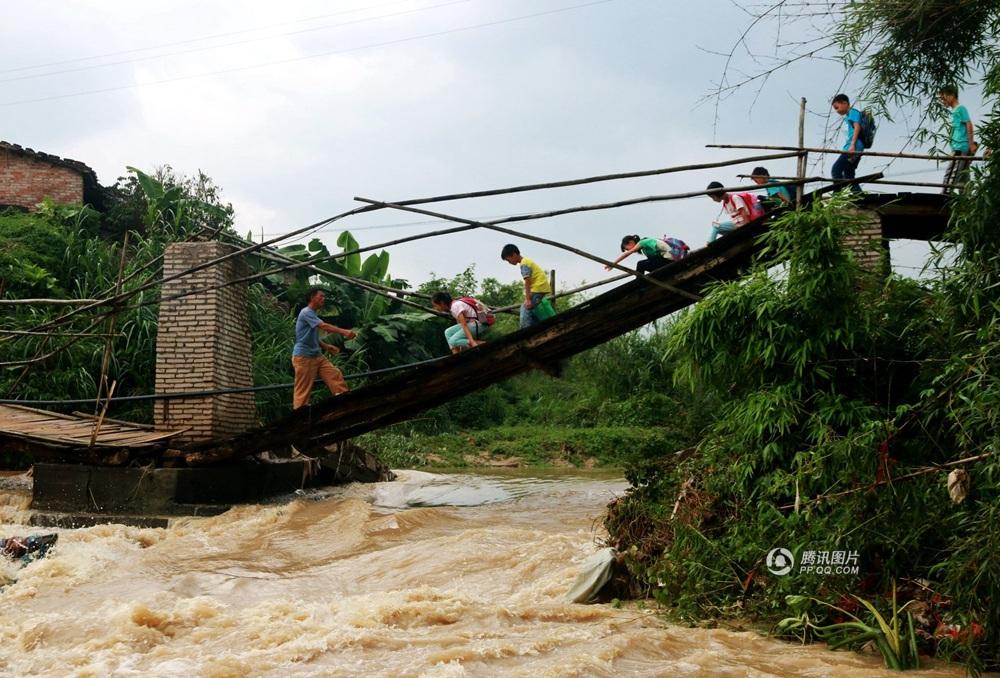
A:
(92, 191)
(49, 158)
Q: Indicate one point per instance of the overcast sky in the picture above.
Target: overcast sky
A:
(294, 108)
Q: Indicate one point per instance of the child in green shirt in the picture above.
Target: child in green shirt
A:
(659, 252)
(962, 140)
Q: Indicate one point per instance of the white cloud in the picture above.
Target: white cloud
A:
(601, 89)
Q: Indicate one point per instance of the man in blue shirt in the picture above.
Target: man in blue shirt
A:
(847, 162)
(962, 140)
(307, 355)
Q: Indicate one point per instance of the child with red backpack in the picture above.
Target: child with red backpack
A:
(659, 251)
(472, 316)
(742, 208)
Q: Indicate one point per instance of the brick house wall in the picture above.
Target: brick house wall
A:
(25, 180)
(203, 343)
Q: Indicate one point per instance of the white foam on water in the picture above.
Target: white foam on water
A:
(435, 575)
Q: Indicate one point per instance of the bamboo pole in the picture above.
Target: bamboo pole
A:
(838, 151)
(888, 182)
(545, 241)
(99, 421)
(141, 269)
(49, 302)
(117, 299)
(28, 333)
(575, 290)
(803, 158)
(552, 284)
(56, 351)
(466, 227)
(915, 474)
(593, 179)
(373, 288)
(102, 384)
(647, 199)
(274, 255)
(27, 368)
(441, 198)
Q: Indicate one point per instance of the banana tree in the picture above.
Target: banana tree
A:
(385, 335)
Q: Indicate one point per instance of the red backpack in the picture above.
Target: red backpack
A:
(752, 202)
(487, 317)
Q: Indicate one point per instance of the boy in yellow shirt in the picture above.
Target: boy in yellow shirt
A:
(536, 283)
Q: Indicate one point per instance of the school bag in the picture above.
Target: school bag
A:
(868, 128)
(752, 201)
(678, 248)
(487, 317)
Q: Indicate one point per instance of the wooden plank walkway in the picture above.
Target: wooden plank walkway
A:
(608, 315)
(74, 431)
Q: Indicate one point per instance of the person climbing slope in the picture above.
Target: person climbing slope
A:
(777, 196)
(742, 208)
(307, 354)
(536, 286)
(472, 316)
(847, 162)
(659, 252)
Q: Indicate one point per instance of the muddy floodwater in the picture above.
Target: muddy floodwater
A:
(432, 575)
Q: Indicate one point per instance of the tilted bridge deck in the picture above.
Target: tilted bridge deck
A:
(918, 216)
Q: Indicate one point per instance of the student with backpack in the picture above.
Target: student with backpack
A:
(777, 196)
(659, 252)
(742, 208)
(472, 316)
(962, 140)
(859, 134)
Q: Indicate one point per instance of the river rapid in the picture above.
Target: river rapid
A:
(431, 575)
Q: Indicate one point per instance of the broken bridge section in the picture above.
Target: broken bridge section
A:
(606, 316)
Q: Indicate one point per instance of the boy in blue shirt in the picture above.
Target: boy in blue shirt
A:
(307, 354)
(962, 140)
(847, 162)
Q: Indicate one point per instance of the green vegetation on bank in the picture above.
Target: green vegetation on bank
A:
(516, 446)
(855, 418)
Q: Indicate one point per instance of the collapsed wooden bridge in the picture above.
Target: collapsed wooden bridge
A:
(917, 216)
(413, 389)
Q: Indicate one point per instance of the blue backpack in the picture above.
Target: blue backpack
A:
(678, 248)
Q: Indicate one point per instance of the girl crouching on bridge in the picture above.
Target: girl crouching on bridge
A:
(659, 252)
(473, 320)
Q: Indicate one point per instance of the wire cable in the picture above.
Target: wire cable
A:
(238, 69)
(218, 391)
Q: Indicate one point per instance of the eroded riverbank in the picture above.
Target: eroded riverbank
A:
(435, 574)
